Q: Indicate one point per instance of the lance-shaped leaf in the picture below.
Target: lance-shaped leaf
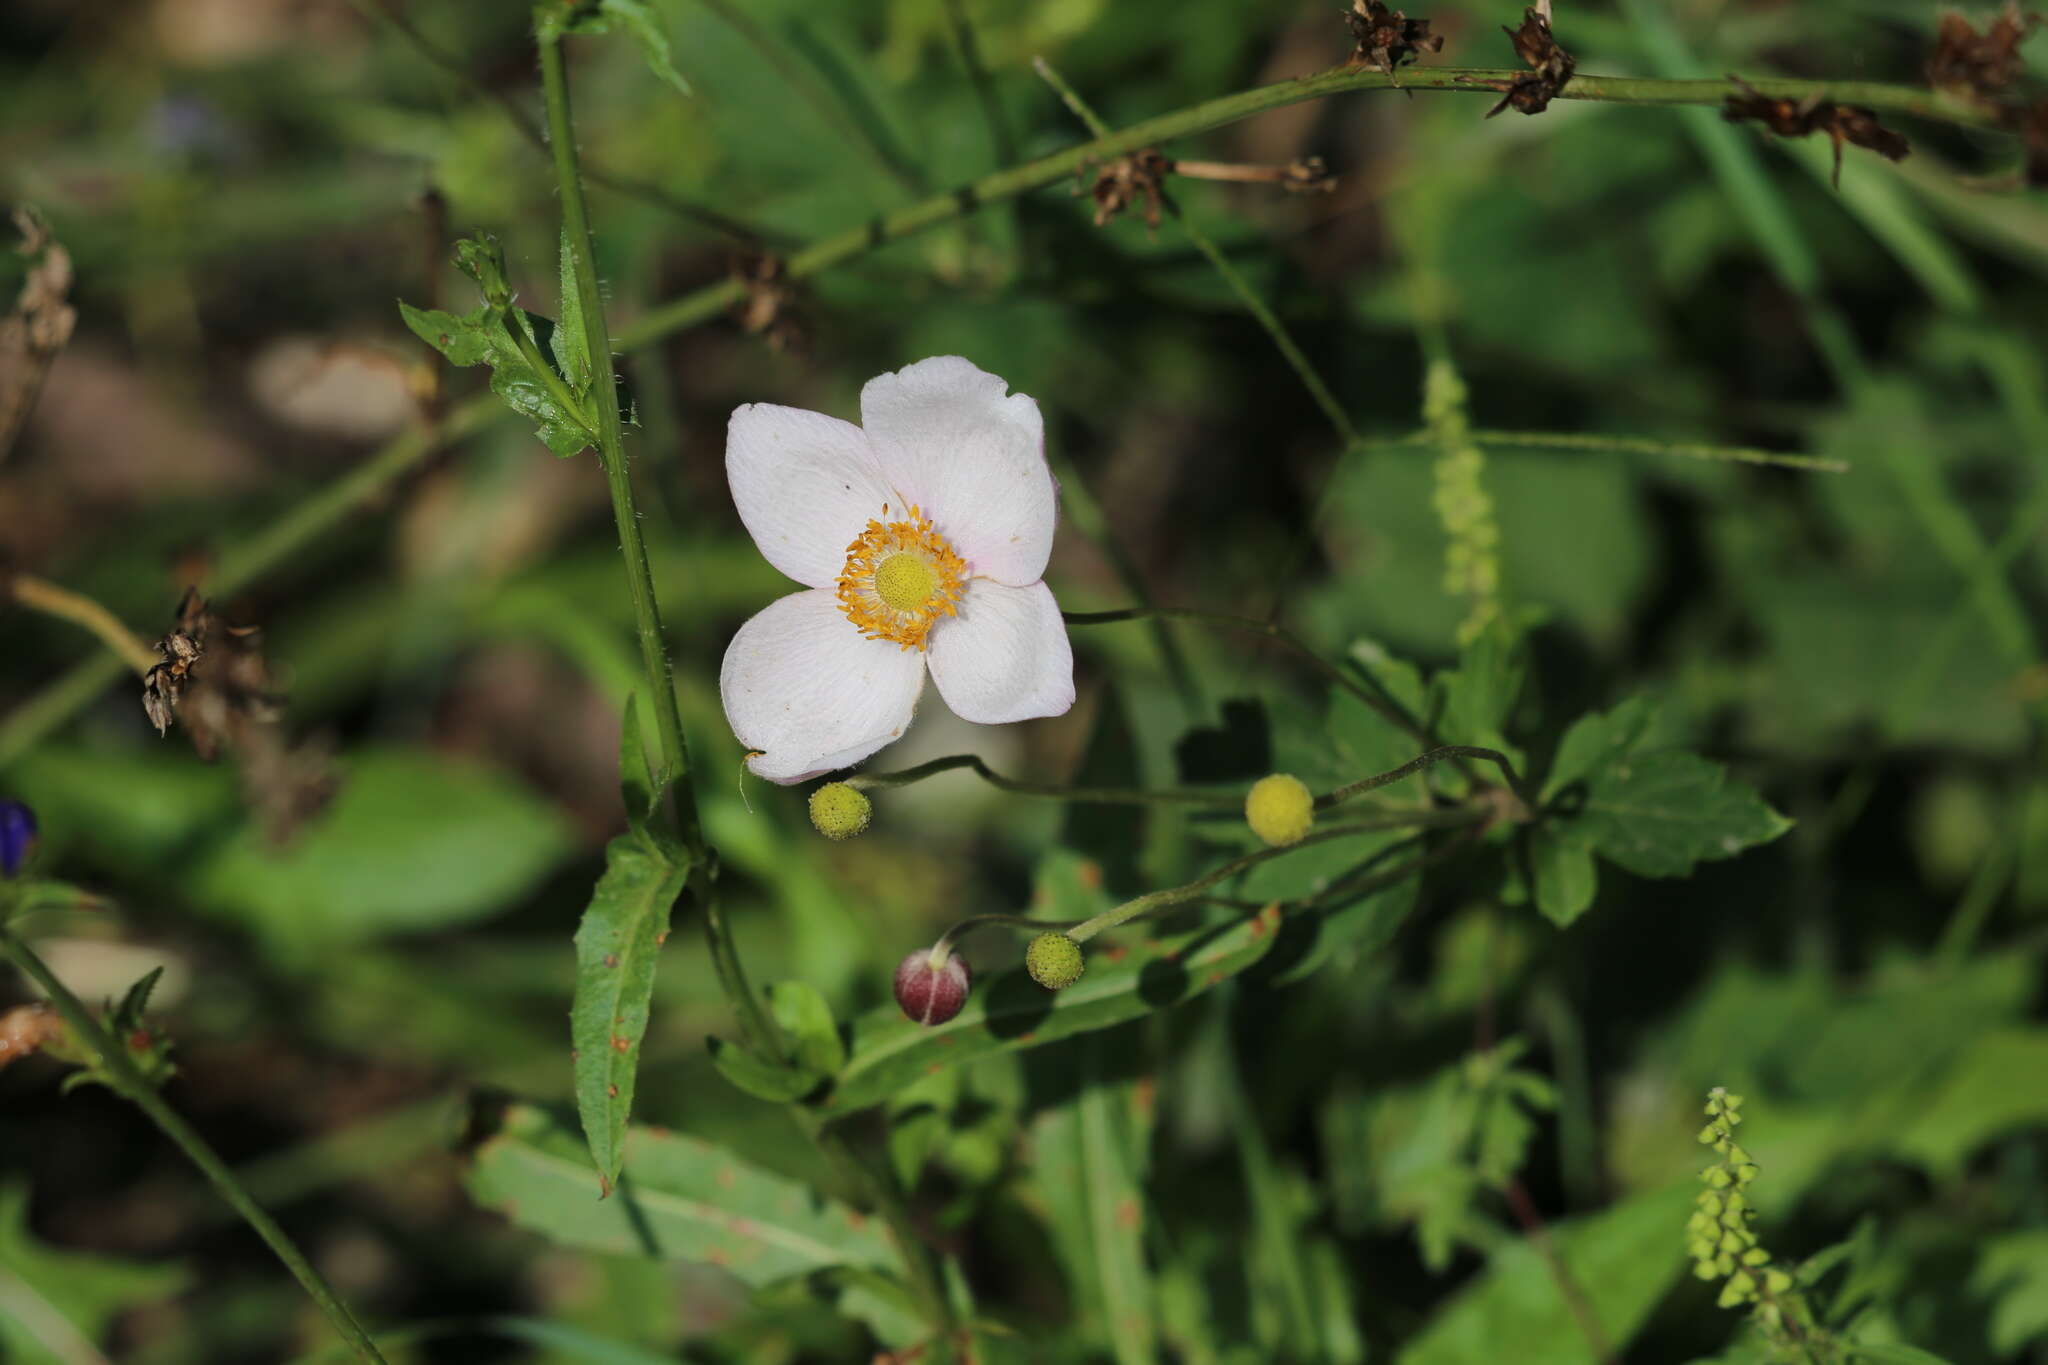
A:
(680, 1198)
(616, 946)
(1011, 1011)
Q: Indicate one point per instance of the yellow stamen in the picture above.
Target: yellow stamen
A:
(900, 578)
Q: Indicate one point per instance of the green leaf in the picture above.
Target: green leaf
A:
(806, 1020)
(413, 841)
(1479, 695)
(1010, 1012)
(678, 1198)
(459, 337)
(570, 344)
(1624, 1259)
(56, 1306)
(1979, 1096)
(616, 947)
(1597, 740)
(1565, 878)
(762, 1080)
(637, 787)
(1088, 1167)
(484, 337)
(636, 18)
(1660, 813)
(1894, 1353)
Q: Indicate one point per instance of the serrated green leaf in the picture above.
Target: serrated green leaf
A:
(616, 948)
(636, 18)
(459, 337)
(806, 1021)
(1658, 814)
(128, 1014)
(1010, 1012)
(762, 1080)
(678, 1198)
(1596, 740)
(1480, 693)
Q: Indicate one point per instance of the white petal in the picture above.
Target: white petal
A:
(806, 485)
(810, 692)
(1005, 657)
(972, 460)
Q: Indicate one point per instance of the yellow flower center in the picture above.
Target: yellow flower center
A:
(900, 578)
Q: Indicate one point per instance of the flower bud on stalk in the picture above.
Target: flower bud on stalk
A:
(1054, 961)
(1280, 810)
(839, 811)
(931, 984)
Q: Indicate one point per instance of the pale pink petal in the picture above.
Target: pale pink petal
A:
(810, 692)
(1005, 657)
(972, 460)
(806, 485)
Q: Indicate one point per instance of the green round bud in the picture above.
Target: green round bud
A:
(840, 811)
(1054, 961)
(1280, 810)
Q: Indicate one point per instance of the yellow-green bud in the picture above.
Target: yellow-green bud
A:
(840, 811)
(1054, 961)
(1280, 810)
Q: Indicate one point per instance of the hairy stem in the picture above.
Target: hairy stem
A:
(673, 777)
(128, 1081)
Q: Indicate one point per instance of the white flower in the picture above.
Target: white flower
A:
(921, 536)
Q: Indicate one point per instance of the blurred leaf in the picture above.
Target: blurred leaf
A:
(570, 1344)
(636, 18)
(1894, 1353)
(762, 1080)
(679, 1198)
(806, 1020)
(2012, 1272)
(1088, 1166)
(1979, 1096)
(1623, 1258)
(1239, 749)
(636, 780)
(570, 345)
(413, 841)
(1011, 1011)
(56, 1306)
(617, 945)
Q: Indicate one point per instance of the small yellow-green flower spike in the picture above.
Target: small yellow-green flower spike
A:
(1054, 961)
(839, 811)
(1280, 810)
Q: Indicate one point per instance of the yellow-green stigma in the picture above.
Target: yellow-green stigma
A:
(905, 582)
(839, 811)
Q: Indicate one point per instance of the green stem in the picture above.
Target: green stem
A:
(1434, 756)
(1099, 796)
(680, 807)
(121, 1073)
(1283, 340)
(1174, 895)
(877, 1184)
(1376, 697)
(1642, 445)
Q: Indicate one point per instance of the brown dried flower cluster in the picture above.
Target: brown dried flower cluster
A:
(1550, 66)
(1128, 179)
(1796, 118)
(769, 309)
(1386, 37)
(1980, 64)
(37, 329)
(214, 680)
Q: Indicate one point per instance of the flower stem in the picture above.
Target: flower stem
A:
(673, 776)
(1416, 765)
(1099, 796)
(121, 1073)
(1375, 696)
(1174, 895)
(39, 594)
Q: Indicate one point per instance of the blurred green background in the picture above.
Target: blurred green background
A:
(246, 187)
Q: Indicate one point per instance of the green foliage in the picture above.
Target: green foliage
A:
(1652, 812)
(540, 368)
(56, 1306)
(678, 1198)
(412, 842)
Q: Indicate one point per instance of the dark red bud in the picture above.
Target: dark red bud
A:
(932, 995)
